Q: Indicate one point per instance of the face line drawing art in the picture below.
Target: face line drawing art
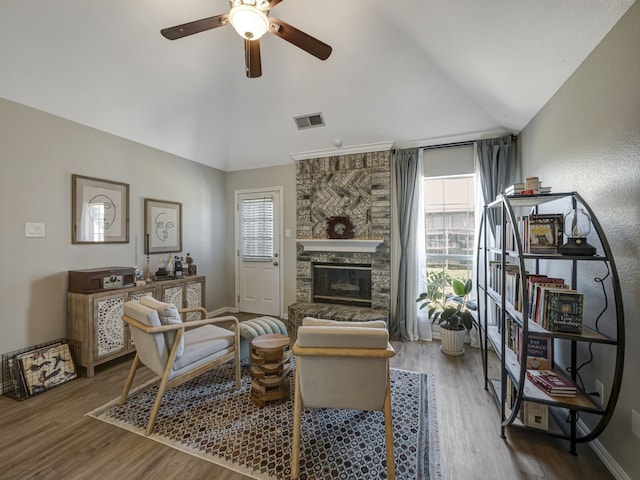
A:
(162, 226)
(108, 207)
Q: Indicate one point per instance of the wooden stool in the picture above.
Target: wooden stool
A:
(270, 356)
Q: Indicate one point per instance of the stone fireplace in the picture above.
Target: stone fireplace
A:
(356, 185)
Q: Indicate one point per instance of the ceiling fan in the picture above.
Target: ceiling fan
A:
(251, 20)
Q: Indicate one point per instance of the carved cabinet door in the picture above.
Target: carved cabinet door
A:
(185, 294)
(193, 294)
(110, 334)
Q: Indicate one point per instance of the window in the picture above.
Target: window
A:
(449, 206)
(257, 229)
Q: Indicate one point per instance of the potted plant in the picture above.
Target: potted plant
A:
(452, 312)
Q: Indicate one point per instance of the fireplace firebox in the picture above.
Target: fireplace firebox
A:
(342, 283)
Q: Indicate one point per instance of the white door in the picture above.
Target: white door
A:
(258, 252)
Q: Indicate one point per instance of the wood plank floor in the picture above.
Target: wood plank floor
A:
(49, 436)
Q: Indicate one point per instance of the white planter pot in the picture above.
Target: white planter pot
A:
(452, 342)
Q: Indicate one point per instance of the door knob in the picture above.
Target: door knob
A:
(275, 264)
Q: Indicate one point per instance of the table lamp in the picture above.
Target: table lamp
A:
(578, 224)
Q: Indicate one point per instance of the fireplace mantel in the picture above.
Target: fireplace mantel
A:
(336, 245)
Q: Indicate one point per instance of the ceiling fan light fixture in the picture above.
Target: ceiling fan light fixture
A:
(250, 22)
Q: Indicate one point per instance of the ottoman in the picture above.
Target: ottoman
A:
(250, 329)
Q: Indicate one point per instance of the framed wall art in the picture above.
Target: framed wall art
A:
(99, 210)
(162, 226)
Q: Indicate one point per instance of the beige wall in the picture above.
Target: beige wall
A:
(282, 176)
(38, 154)
(587, 138)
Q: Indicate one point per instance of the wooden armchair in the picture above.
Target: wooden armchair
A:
(177, 351)
(342, 365)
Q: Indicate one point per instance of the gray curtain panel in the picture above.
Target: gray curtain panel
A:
(497, 168)
(406, 171)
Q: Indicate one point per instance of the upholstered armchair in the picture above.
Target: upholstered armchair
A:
(342, 365)
(177, 351)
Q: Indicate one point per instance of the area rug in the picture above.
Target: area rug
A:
(208, 418)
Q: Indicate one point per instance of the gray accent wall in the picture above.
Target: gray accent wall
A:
(38, 154)
(587, 139)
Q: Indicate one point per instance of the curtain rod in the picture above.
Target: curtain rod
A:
(447, 145)
(455, 144)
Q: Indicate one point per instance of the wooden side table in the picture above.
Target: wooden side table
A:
(270, 366)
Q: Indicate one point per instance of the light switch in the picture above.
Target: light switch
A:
(287, 232)
(34, 229)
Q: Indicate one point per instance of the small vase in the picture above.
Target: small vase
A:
(452, 342)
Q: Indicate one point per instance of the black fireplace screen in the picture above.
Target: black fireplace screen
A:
(344, 284)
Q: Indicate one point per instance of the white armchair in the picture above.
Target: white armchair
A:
(177, 351)
(342, 365)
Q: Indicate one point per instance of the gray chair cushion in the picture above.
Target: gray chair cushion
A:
(152, 349)
(342, 382)
(342, 337)
(168, 314)
(336, 323)
(203, 344)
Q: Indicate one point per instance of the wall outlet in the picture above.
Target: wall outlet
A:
(635, 422)
(600, 390)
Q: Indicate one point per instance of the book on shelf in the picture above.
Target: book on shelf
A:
(530, 186)
(514, 188)
(531, 183)
(552, 383)
(530, 286)
(536, 415)
(538, 306)
(510, 390)
(545, 232)
(564, 313)
(539, 352)
(512, 284)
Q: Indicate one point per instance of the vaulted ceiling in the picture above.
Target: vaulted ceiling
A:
(409, 71)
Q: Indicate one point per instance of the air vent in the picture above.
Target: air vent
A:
(309, 121)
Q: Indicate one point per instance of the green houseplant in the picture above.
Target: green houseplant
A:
(452, 312)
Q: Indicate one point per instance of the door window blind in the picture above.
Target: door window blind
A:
(257, 228)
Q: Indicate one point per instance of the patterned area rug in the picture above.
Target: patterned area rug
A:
(207, 418)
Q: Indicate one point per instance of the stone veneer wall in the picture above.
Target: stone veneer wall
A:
(358, 185)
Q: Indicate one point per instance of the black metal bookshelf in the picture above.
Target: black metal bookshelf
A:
(497, 316)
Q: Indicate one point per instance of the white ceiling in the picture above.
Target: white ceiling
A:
(409, 71)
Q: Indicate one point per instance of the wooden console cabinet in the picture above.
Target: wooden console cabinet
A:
(95, 319)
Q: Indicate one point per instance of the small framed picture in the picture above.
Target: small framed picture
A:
(162, 226)
(99, 210)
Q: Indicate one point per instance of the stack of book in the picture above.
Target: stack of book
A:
(530, 186)
(552, 383)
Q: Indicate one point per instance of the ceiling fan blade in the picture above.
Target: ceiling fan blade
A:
(273, 3)
(186, 29)
(252, 58)
(300, 39)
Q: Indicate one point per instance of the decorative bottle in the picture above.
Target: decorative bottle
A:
(169, 266)
(177, 266)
